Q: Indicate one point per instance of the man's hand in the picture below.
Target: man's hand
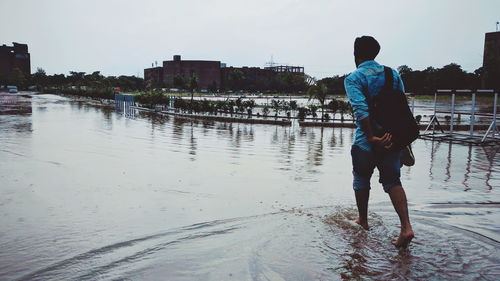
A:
(384, 141)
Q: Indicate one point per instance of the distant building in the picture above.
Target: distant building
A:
(154, 77)
(16, 56)
(286, 68)
(491, 60)
(207, 72)
(215, 75)
(247, 78)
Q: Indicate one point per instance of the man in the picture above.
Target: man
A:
(368, 150)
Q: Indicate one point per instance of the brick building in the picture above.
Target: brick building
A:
(207, 72)
(491, 60)
(247, 78)
(154, 77)
(215, 75)
(16, 56)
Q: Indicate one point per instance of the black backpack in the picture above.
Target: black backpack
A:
(389, 109)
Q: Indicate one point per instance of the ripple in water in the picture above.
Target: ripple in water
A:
(298, 244)
(88, 194)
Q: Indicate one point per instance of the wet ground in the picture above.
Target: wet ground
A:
(88, 194)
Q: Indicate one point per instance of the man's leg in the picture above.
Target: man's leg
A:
(389, 167)
(398, 198)
(362, 197)
(363, 165)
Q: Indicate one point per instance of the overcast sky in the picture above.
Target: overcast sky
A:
(126, 36)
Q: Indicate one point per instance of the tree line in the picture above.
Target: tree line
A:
(285, 82)
(427, 81)
(94, 80)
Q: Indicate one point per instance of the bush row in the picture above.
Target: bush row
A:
(91, 93)
(240, 106)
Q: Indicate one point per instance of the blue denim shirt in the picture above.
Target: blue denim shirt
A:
(367, 80)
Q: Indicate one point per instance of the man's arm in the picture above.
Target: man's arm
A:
(360, 107)
(356, 97)
(384, 141)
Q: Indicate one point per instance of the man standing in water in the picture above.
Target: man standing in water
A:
(368, 150)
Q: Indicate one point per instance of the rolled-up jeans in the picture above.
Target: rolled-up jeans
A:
(364, 162)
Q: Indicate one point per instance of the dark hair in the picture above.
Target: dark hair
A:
(366, 47)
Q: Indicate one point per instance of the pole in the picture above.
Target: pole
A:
(472, 112)
(434, 117)
(495, 114)
(435, 103)
(452, 111)
(493, 125)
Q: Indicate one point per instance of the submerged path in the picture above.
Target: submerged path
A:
(87, 193)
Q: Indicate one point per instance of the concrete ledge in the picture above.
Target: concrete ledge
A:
(218, 118)
(287, 122)
(445, 127)
(326, 124)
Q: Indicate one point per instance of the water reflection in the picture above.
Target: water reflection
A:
(16, 111)
(448, 164)
(317, 150)
(490, 152)
(193, 146)
(15, 104)
(447, 161)
(467, 168)
(479, 159)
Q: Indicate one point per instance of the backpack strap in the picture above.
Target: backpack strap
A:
(389, 78)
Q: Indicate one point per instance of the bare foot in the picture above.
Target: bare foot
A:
(404, 239)
(363, 224)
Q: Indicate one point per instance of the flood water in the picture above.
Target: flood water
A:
(88, 194)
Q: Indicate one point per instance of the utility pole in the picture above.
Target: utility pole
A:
(497, 24)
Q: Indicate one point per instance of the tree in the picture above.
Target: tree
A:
(318, 91)
(235, 78)
(249, 105)
(265, 110)
(76, 78)
(404, 69)
(239, 105)
(57, 80)
(16, 77)
(335, 84)
(94, 80)
(451, 76)
(192, 85)
(179, 82)
(276, 105)
(293, 105)
(213, 87)
(127, 82)
(312, 109)
(285, 81)
(333, 105)
(39, 78)
(343, 108)
(291, 82)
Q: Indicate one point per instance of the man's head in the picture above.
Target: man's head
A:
(365, 48)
